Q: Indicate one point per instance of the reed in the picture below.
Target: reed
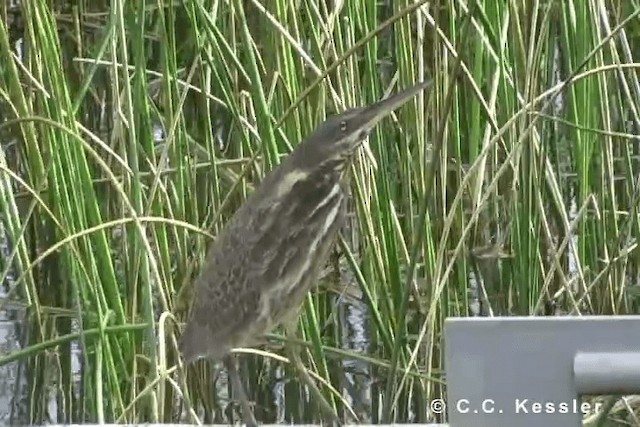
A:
(131, 132)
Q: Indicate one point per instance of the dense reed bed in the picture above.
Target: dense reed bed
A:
(130, 134)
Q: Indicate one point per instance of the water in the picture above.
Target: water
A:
(12, 378)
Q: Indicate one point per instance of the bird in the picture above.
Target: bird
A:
(268, 256)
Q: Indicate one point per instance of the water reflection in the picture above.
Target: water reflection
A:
(12, 380)
(13, 384)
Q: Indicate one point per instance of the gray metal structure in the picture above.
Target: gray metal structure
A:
(532, 371)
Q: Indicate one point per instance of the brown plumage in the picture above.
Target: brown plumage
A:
(269, 254)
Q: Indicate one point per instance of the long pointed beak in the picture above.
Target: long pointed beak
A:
(372, 114)
(369, 116)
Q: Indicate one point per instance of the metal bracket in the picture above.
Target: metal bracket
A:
(532, 371)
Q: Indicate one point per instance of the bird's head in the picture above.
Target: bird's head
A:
(336, 139)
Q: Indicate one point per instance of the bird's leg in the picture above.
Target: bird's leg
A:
(238, 390)
(294, 354)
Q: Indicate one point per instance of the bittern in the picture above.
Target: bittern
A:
(270, 253)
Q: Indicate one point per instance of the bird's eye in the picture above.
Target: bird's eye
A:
(343, 126)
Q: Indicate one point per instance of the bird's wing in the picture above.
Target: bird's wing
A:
(228, 289)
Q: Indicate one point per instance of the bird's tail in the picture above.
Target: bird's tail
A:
(194, 346)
